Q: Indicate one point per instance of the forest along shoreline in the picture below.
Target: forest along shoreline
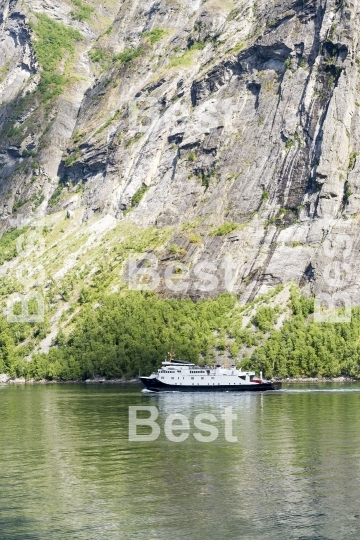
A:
(4, 379)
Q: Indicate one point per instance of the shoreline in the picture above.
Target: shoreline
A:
(21, 381)
(4, 380)
(307, 380)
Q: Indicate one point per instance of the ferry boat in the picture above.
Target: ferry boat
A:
(179, 376)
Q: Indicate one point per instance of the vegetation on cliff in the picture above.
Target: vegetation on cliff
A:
(304, 347)
(132, 333)
(54, 42)
(124, 334)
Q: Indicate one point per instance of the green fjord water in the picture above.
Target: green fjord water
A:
(68, 469)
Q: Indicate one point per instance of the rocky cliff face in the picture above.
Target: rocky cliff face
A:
(192, 115)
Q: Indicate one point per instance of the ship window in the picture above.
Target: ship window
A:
(161, 377)
(213, 377)
(172, 377)
(243, 378)
(192, 377)
(202, 378)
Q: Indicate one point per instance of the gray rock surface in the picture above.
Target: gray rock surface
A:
(239, 112)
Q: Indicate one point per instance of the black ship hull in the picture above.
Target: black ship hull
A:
(157, 386)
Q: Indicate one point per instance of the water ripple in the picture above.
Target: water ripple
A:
(68, 469)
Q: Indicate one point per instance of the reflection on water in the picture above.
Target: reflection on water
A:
(69, 471)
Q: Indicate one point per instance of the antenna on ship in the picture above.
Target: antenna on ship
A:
(171, 355)
(226, 355)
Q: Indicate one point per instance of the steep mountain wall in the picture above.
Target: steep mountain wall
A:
(193, 115)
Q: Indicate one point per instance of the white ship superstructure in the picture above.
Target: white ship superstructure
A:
(183, 376)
